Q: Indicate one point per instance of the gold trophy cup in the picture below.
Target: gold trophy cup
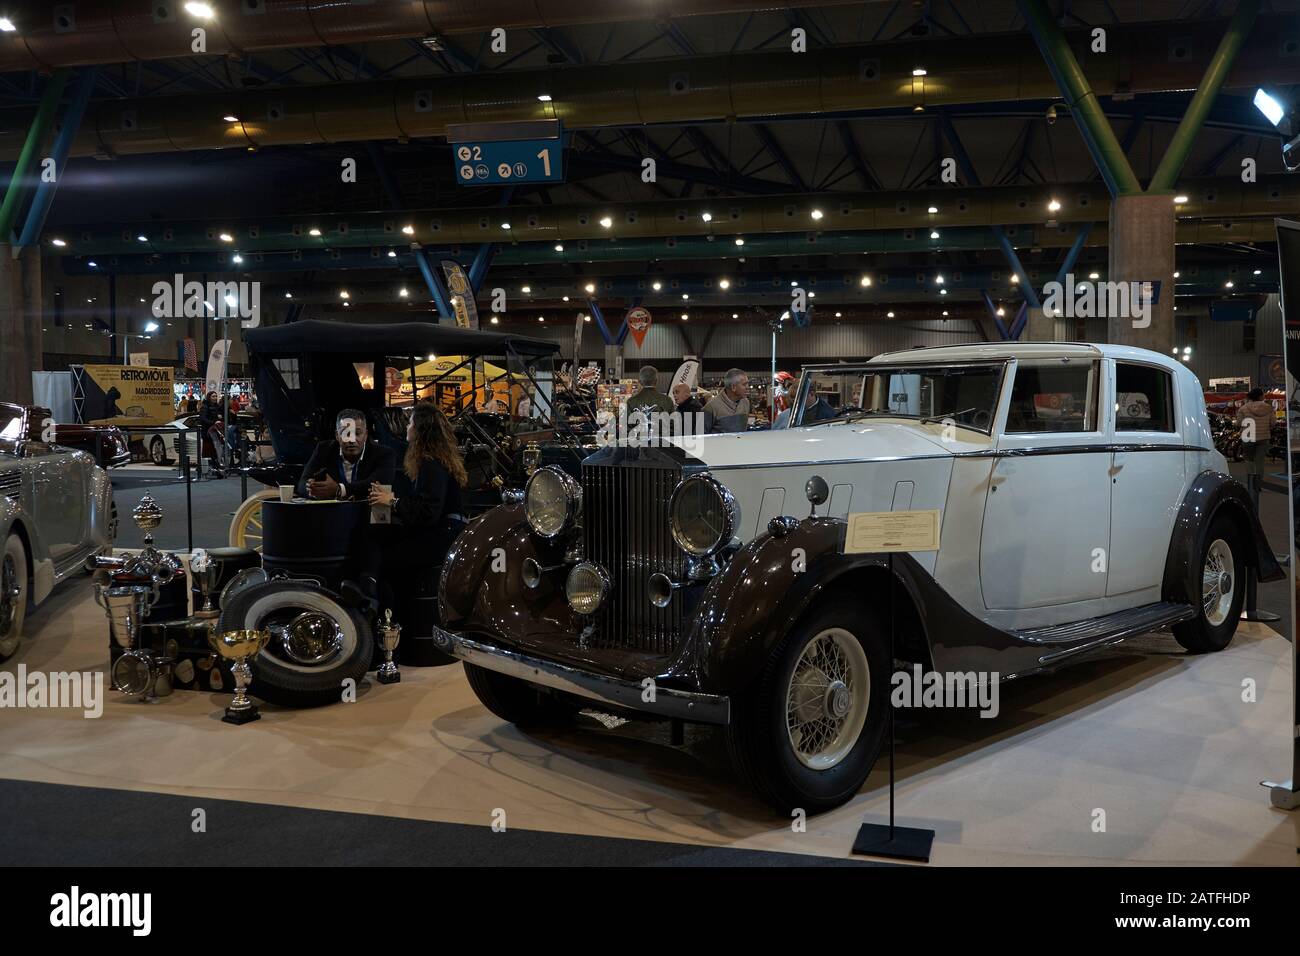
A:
(241, 647)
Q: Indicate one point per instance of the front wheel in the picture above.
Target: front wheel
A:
(1223, 590)
(516, 701)
(807, 732)
(157, 451)
(246, 525)
(13, 595)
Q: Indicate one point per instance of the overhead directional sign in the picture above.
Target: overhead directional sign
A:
(498, 154)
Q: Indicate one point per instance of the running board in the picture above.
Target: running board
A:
(1109, 629)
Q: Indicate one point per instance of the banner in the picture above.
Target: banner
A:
(139, 359)
(462, 296)
(217, 365)
(577, 338)
(123, 394)
(688, 373)
(638, 323)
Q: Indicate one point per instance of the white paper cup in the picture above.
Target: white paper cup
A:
(286, 492)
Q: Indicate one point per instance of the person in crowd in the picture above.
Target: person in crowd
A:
(785, 383)
(687, 407)
(343, 467)
(815, 409)
(728, 411)
(648, 398)
(211, 414)
(525, 407)
(426, 505)
(191, 405)
(1260, 414)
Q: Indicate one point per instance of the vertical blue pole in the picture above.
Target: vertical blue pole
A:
(44, 197)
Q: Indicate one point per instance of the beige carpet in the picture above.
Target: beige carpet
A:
(1162, 743)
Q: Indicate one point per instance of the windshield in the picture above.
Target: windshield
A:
(965, 394)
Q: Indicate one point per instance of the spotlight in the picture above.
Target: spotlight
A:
(494, 320)
(816, 214)
(288, 295)
(938, 280)
(932, 210)
(313, 231)
(1270, 106)
(1094, 275)
(403, 292)
(685, 316)
(236, 258)
(919, 71)
(230, 118)
(544, 97)
(201, 10)
(590, 287)
(865, 282)
(656, 286)
(392, 254)
(889, 315)
(559, 247)
(142, 238)
(707, 217)
(1180, 199)
(726, 283)
(740, 241)
(1053, 206)
(151, 327)
(606, 221)
(934, 233)
(505, 225)
(343, 294)
(58, 242)
(7, 25)
(526, 289)
(226, 237)
(408, 229)
(685, 296)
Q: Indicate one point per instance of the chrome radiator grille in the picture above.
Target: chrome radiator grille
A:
(625, 530)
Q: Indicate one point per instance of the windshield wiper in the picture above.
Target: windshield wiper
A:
(850, 417)
(952, 416)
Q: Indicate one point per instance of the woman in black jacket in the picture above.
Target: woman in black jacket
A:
(426, 495)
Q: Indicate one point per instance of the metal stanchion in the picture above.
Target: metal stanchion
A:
(1250, 611)
(189, 504)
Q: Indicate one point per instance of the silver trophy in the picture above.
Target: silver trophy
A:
(205, 572)
(390, 635)
(136, 673)
(240, 647)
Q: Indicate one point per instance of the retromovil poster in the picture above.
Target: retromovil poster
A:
(125, 394)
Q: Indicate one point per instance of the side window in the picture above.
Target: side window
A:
(1144, 399)
(1053, 397)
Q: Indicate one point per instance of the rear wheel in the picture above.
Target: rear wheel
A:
(518, 702)
(1223, 571)
(13, 595)
(807, 733)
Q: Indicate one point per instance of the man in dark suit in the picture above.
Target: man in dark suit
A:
(343, 468)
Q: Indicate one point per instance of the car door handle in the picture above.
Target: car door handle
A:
(1115, 470)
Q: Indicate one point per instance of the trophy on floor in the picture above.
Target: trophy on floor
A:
(240, 647)
(206, 572)
(136, 673)
(390, 635)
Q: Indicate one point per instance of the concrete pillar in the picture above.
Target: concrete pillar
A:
(20, 322)
(1039, 327)
(1142, 250)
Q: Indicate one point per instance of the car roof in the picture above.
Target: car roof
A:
(1024, 351)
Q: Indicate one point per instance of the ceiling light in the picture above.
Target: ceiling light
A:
(606, 221)
(586, 318)
(685, 316)
(812, 295)
(541, 318)
(707, 217)
(343, 294)
(943, 291)
(735, 315)
(919, 71)
(201, 10)
(559, 247)
(945, 311)
(544, 97)
(1269, 106)
(889, 315)
(686, 295)
(347, 305)
(1053, 206)
(1094, 275)
(865, 282)
(1001, 311)
(839, 315)
(313, 231)
(1228, 284)
(526, 289)
(932, 210)
(505, 225)
(494, 320)
(236, 258)
(93, 264)
(231, 118)
(1177, 274)
(938, 280)
(392, 253)
(7, 25)
(726, 284)
(656, 286)
(934, 233)
(58, 242)
(740, 241)
(816, 214)
(142, 238)
(226, 237)
(408, 229)
(1014, 278)
(1258, 271)
(403, 292)
(288, 295)
(590, 287)
(565, 298)
(1180, 199)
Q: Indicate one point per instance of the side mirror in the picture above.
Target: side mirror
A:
(816, 491)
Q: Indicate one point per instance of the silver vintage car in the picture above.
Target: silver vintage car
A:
(56, 509)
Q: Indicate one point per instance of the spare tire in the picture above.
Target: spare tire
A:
(318, 641)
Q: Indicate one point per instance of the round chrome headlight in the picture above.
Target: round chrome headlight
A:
(704, 515)
(552, 501)
(586, 587)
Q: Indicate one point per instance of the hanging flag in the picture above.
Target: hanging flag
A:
(638, 323)
(462, 295)
(217, 365)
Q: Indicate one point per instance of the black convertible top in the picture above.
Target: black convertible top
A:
(397, 338)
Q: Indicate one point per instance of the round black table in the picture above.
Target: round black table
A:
(329, 540)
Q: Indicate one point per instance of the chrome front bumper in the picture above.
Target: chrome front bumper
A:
(680, 704)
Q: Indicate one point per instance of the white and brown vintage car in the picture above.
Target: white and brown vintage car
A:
(56, 509)
(1080, 499)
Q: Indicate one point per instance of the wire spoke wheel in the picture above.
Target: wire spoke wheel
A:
(1218, 582)
(246, 526)
(827, 698)
(10, 595)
